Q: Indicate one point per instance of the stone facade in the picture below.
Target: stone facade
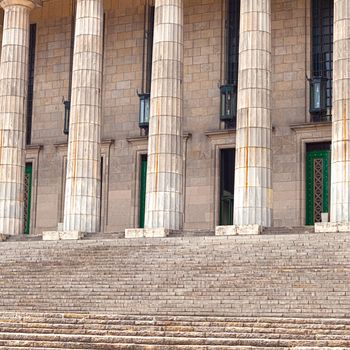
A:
(203, 136)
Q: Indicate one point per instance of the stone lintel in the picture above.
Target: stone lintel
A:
(147, 233)
(137, 140)
(62, 235)
(233, 230)
(312, 126)
(332, 227)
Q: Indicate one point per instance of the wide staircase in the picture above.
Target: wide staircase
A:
(271, 291)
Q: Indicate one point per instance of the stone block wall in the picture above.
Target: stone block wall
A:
(203, 30)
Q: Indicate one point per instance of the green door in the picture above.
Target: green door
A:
(143, 180)
(27, 196)
(317, 184)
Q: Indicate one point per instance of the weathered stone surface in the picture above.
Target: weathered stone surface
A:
(148, 232)
(164, 197)
(340, 179)
(62, 235)
(238, 230)
(226, 230)
(146, 332)
(13, 89)
(83, 181)
(323, 227)
(253, 175)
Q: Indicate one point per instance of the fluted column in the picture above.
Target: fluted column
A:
(164, 208)
(253, 188)
(13, 93)
(340, 179)
(82, 199)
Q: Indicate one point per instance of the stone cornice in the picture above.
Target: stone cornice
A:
(104, 143)
(33, 149)
(31, 4)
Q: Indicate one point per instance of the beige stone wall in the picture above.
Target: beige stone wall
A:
(291, 51)
(202, 74)
(50, 85)
(202, 36)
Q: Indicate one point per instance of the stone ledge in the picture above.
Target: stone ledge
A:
(332, 227)
(238, 230)
(62, 235)
(147, 233)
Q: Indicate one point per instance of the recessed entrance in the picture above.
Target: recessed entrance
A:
(227, 185)
(28, 179)
(318, 157)
(143, 180)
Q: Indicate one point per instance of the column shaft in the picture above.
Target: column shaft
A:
(164, 196)
(253, 188)
(340, 179)
(82, 200)
(13, 91)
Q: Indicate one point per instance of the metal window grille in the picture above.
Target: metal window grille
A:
(233, 22)
(322, 49)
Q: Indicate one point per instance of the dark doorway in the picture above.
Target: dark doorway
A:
(227, 185)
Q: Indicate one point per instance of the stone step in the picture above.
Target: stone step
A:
(269, 275)
(54, 330)
(23, 238)
(88, 341)
(158, 320)
(164, 347)
(181, 332)
(187, 326)
(99, 236)
(289, 230)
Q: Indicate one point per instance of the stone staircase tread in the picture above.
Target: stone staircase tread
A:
(187, 292)
(173, 329)
(188, 335)
(90, 342)
(162, 319)
(81, 339)
(164, 347)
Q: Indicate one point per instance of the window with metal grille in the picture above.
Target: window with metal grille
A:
(149, 53)
(233, 40)
(31, 73)
(233, 22)
(322, 50)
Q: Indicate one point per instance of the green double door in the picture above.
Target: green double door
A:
(317, 182)
(28, 180)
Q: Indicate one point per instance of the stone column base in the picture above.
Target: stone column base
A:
(238, 230)
(329, 227)
(147, 233)
(62, 235)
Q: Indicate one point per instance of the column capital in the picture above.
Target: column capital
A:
(31, 4)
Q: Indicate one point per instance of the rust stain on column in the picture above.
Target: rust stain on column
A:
(1, 143)
(345, 132)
